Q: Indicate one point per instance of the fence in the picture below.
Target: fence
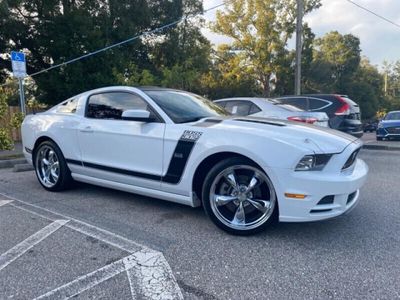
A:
(15, 133)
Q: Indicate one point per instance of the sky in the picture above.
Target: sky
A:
(380, 40)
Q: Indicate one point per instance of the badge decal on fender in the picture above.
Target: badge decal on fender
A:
(190, 135)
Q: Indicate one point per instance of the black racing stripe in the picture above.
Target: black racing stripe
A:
(176, 166)
(122, 171)
(73, 162)
(178, 161)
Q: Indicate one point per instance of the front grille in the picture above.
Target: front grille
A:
(315, 211)
(393, 130)
(350, 161)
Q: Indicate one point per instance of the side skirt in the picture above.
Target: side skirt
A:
(135, 189)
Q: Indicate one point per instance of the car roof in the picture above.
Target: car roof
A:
(312, 95)
(245, 99)
(154, 88)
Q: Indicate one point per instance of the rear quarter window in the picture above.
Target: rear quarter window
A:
(317, 104)
(68, 107)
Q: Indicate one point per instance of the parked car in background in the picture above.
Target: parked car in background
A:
(370, 126)
(344, 114)
(389, 126)
(267, 108)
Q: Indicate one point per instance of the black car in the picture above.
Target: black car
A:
(370, 126)
(344, 114)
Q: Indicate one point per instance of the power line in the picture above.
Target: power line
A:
(156, 30)
(374, 13)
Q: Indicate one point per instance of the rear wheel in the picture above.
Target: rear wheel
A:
(239, 197)
(50, 167)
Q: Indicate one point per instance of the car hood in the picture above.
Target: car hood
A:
(314, 138)
(390, 123)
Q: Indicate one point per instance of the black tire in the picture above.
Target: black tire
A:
(64, 179)
(241, 169)
(378, 138)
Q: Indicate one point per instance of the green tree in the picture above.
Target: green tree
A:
(57, 30)
(260, 30)
(335, 60)
(366, 88)
(227, 77)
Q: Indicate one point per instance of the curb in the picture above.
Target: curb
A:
(23, 167)
(381, 147)
(9, 163)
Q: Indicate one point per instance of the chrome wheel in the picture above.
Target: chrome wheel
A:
(242, 197)
(47, 166)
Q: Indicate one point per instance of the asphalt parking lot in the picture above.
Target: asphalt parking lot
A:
(99, 243)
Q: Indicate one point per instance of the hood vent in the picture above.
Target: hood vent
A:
(260, 121)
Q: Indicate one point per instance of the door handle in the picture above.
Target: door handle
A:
(86, 129)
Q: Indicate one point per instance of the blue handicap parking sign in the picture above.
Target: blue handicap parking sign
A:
(17, 56)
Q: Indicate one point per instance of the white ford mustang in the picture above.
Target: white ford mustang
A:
(177, 146)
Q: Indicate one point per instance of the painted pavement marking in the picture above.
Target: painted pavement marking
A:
(149, 273)
(4, 202)
(18, 250)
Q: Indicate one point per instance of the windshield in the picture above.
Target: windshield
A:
(183, 107)
(393, 116)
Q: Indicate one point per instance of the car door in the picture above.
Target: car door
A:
(124, 151)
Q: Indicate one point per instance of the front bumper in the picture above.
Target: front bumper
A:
(383, 133)
(28, 155)
(341, 187)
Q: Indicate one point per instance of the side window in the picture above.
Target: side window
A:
(68, 106)
(254, 109)
(316, 104)
(300, 102)
(238, 108)
(221, 103)
(111, 105)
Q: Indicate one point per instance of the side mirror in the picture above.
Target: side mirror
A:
(140, 115)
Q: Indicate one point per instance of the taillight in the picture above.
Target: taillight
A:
(344, 108)
(303, 119)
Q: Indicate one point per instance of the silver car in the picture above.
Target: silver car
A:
(271, 108)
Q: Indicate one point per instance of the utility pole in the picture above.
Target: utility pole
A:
(299, 46)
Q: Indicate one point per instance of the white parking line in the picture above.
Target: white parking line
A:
(149, 273)
(15, 252)
(4, 202)
(152, 284)
(86, 282)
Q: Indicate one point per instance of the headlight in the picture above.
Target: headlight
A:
(314, 162)
(380, 125)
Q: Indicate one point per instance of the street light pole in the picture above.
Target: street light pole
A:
(299, 46)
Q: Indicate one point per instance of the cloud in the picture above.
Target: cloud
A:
(380, 40)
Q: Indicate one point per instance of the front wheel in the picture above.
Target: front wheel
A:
(50, 167)
(239, 197)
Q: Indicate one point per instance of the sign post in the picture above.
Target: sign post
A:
(19, 70)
